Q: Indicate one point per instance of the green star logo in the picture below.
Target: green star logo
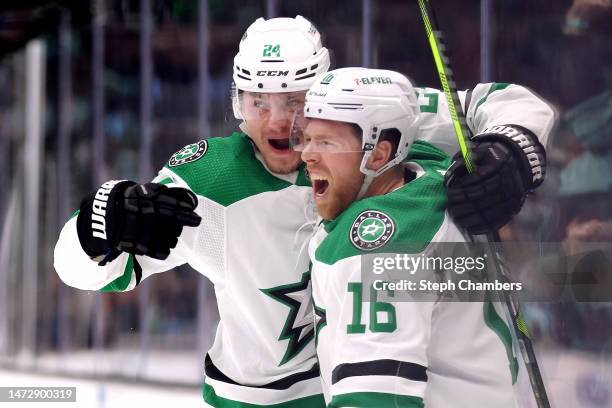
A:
(371, 230)
(299, 325)
(187, 152)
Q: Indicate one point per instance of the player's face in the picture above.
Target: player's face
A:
(332, 153)
(268, 118)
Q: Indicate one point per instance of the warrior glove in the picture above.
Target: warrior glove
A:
(509, 162)
(141, 219)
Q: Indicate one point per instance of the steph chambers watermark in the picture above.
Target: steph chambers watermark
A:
(448, 286)
(535, 271)
(459, 265)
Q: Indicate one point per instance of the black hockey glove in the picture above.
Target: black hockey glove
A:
(142, 219)
(510, 162)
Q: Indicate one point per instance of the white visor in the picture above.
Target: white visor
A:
(254, 106)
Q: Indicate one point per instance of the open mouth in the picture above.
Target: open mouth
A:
(280, 144)
(319, 185)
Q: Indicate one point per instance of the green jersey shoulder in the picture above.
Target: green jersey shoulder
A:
(404, 220)
(225, 169)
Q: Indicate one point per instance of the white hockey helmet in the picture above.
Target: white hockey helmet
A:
(278, 55)
(375, 99)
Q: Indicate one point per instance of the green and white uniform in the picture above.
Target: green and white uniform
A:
(403, 354)
(252, 243)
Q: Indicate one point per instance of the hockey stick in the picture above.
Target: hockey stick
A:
(521, 333)
(434, 36)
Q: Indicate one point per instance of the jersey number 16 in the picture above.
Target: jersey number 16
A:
(376, 309)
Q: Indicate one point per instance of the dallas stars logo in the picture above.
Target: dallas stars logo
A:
(299, 326)
(371, 230)
(189, 153)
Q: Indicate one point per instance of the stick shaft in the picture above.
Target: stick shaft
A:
(434, 36)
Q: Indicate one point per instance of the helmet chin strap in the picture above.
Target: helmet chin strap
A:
(368, 175)
(365, 186)
(243, 126)
(371, 174)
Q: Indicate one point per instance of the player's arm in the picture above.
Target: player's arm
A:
(124, 232)
(488, 105)
(511, 126)
(495, 104)
(379, 346)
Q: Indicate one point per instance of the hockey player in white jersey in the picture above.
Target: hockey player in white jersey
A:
(358, 128)
(251, 194)
(238, 209)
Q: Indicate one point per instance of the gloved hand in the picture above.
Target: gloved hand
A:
(509, 162)
(142, 219)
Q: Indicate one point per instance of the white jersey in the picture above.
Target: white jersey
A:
(403, 353)
(252, 242)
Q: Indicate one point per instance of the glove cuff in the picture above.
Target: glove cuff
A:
(527, 147)
(95, 226)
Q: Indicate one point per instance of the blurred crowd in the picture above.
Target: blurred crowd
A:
(574, 207)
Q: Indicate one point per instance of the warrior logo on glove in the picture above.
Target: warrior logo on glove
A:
(527, 144)
(141, 219)
(510, 162)
(98, 214)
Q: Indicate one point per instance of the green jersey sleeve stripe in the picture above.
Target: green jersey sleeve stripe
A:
(394, 368)
(121, 283)
(166, 180)
(210, 397)
(494, 87)
(495, 323)
(74, 214)
(375, 400)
